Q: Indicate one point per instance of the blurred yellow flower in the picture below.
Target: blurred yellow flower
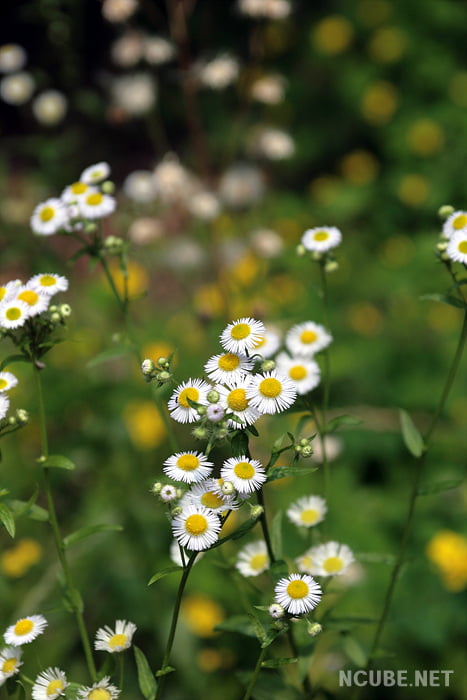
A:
(209, 301)
(360, 167)
(365, 319)
(374, 12)
(448, 552)
(425, 137)
(413, 189)
(387, 45)
(325, 189)
(333, 34)
(17, 560)
(158, 348)
(246, 270)
(144, 424)
(379, 102)
(210, 659)
(201, 614)
(442, 317)
(397, 251)
(138, 279)
(458, 88)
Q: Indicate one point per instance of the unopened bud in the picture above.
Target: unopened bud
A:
(227, 488)
(301, 250)
(213, 396)
(316, 255)
(445, 211)
(222, 433)
(276, 611)
(256, 511)
(90, 227)
(147, 367)
(108, 187)
(163, 362)
(65, 310)
(268, 365)
(22, 415)
(331, 266)
(200, 433)
(313, 629)
(176, 511)
(163, 376)
(307, 451)
(442, 246)
(12, 420)
(201, 410)
(156, 488)
(55, 318)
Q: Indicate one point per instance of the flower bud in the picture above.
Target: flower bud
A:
(268, 365)
(331, 266)
(12, 420)
(55, 317)
(22, 416)
(215, 412)
(90, 227)
(227, 488)
(316, 255)
(445, 211)
(276, 611)
(222, 433)
(307, 451)
(163, 362)
(65, 310)
(200, 433)
(213, 396)
(147, 367)
(176, 511)
(163, 377)
(313, 629)
(108, 187)
(156, 488)
(442, 245)
(201, 410)
(256, 511)
(301, 250)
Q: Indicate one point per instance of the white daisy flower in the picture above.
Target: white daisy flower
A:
(7, 381)
(189, 467)
(274, 144)
(298, 593)
(208, 494)
(71, 194)
(103, 690)
(95, 173)
(49, 684)
(96, 205)
(457, 247)
(455, 223)
(304, 562)
(321, 239)
(49, 283)
(10, 661)
(271, 392)
(193, 390)
(168, 493)
(307, 339)
(234, 400)
(228, 367)
(276, 611)
(37, 301)
(245, 474)
(253, 559)
(330, 559)
(303, 372)
(268, 345)
(7, 291)
(13, 314)
(4, 405)
(219, 73)
(25, 630)
(49, 217)
(307, 511)
(242, 335)
(196, 528)
(176, 557)
(118, 639)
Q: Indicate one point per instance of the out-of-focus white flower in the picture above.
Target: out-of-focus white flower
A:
(332, 445)
(145, 230)
(267, 243)
(17, 88)
(274, 144)
(50, 107)
(219, 73)
(135, 94)
(184, 254)
(140, 186)
(241, 186)
(173, 181)
(204, 205)
(269, 89)
(128, 49)
(118, 10)
(12, 58)
(158, 50)
(270, 9)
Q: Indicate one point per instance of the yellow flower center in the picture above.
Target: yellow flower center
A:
(3, 384)
(459, 222)
(298, 372)
(306, 561)
(78, 187)
(29, 296)
(259, 561)
(244, 470)
(237, 400)
(189, 393)
(259, 343)
(297, 589)
(240, 331)
(309, 516)
(196, 524)
(118, 640)
(228, 362)
(211, 500)
(23, 627)
(54, 687)
(333, 564)
(462, 247)
(46, 214)
(13, 314)
(47, 281)
(321, 236)
(99, 694)
(188, 462)
(270, 387)
(9, 665)
(94, 199)
(2, 292)
(308, 337)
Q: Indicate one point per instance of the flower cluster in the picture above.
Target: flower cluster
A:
(20, 302)
(453, 242)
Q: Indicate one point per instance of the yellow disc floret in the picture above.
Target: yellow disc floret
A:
(298, 372)
(23, 627)
(228, 362)
(47, 213)
(188, 462)
(196, 524)
(189, 393)
(237, 400)
(240, 331)
(270, 387)
(308, 337)
(244, 470)
(333, 565)
(297, 589)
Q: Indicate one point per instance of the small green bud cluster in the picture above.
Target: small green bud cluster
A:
(59, 313)
(304, 448)
(158, 371)
(113, 245)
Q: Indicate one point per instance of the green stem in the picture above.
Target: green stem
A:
(73, 594)
(326, 385)
(120, 670)
(264, 527)
(254, 677)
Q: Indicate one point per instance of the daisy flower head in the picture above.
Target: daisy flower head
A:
(96, 205)
(95, 173)
(298, 593)
(245, 474)
(208, 494)
(196, 527)
(195, 390)
(271, 392)
(4, 405)
(235, 401)
(253, 559)
(457, 247)
(49, 217)
(303, 372)
(189, 467)
(25, 630)
(49, 684)
(242, 335)
(13, 314)
(331, 559)
(102, 690)
(118, 639)
(307, 339)
(307, 511)
(10, 661)
(49, 283)
(304, 562)
(321, 239)
(7, 381)
(8, 290)
(455, 223)
(268, 344)
(73, 192)
(228, 367)
(37, 301)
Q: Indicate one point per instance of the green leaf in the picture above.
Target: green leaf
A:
(277, 663)
(164, 671)
(251, 429)
(57, 462)
(279, 569)
(444, 299)
(282, 472)
(353, 650)
(13, 358)
(411, 435)
(276, 533)
(242, 624)
(89, 530)
(277, 444)
(146, 679)
(236, 534)
(7, 518)
(351, 620)
(260, 632)
(375, 558)
(339, 421)
(164, 573)
(240, 444)
(107, 355)
(438, 486)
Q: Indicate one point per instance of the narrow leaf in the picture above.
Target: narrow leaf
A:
(339, 421)
(89, 530)
(444, 299)
(164, 573)
(438, 486)
(57, 462)
(12, 358)
(242, 624)
(353, 650)
(7, 518)
(282, 472)
(411, 435)
(164, 671)
(146, 679)
(279, 569)
(107, 355)
(277, 663)
(276, 533)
